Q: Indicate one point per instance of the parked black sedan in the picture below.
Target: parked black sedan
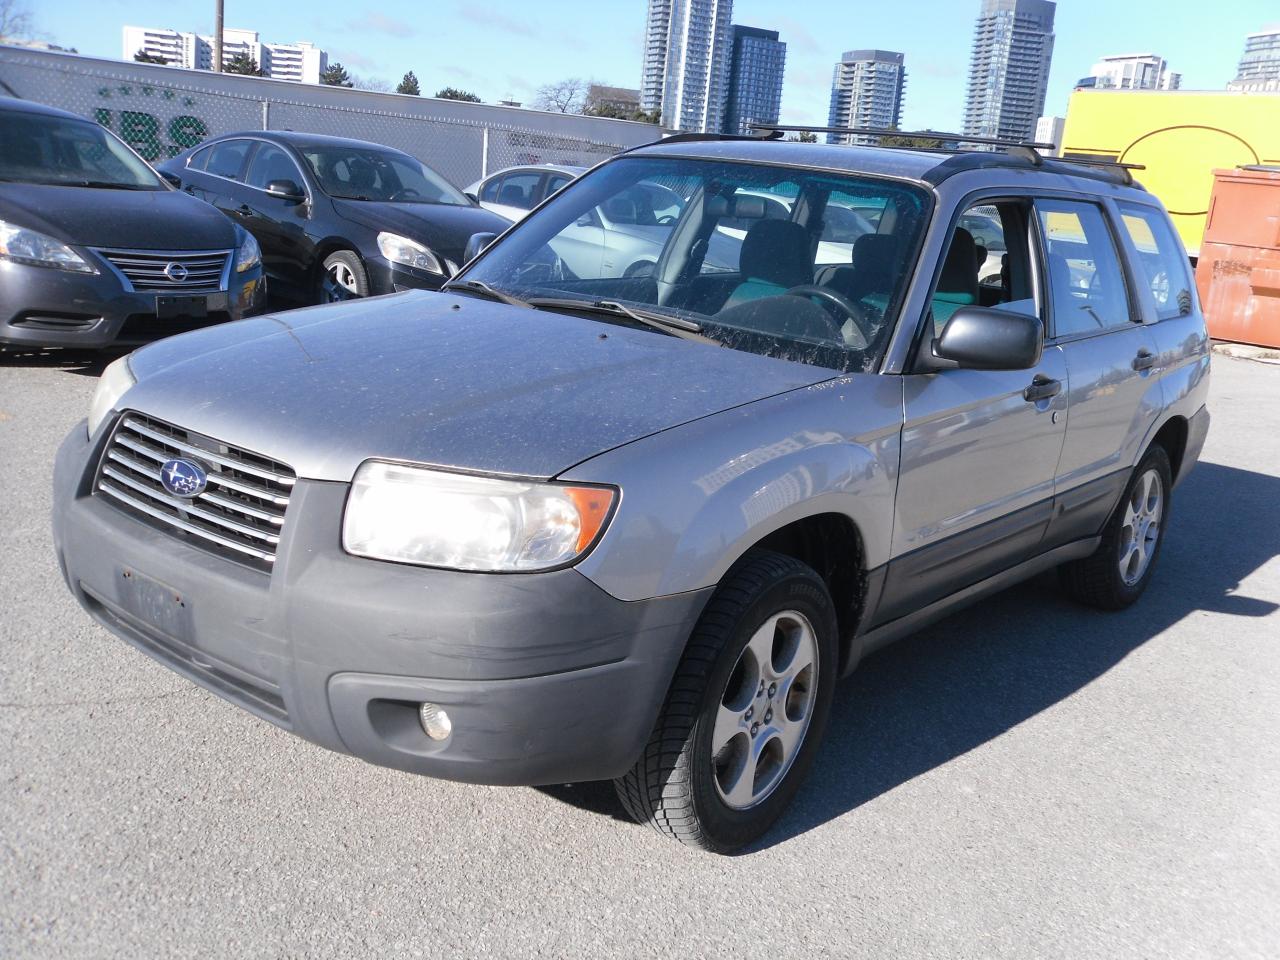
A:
(96, 249)
(336, 218)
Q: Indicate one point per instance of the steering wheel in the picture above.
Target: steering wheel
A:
(406, 193)
(666, 221)
(854, 311)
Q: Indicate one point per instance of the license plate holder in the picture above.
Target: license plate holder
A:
(157, 605)
(185, 305)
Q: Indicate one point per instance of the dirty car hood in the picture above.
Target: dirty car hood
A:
(441, 379)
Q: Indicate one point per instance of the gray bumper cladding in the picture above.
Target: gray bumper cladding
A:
(546, 678)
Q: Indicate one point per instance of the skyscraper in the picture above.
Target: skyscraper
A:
(866, 91)
(1009, 68)
(755, 79)
(1259, 69)
(1134, 71)
(686, 62)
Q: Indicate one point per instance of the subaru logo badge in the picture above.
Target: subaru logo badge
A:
(183, 478)
(175, 272)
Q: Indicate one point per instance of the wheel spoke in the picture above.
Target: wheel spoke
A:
(728, 725)
(761, 645)
(740, 792)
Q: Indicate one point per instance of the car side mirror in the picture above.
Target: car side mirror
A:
(981, 338)
(472, 197)
(476, 245)
(286, 190)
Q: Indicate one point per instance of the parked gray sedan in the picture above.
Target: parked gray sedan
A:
(536, 529)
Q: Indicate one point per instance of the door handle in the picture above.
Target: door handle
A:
(1145, 360)
(1042, 388)
(244, 210)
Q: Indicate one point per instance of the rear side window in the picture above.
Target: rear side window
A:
(227, 158)
(518, 190)
(1086, 284)
(1164, 266)
(199, 158)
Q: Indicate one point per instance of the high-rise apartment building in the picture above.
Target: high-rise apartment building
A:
(686, 62)
(302, 62)
(866, 91)
(1049, 130)
(1259, 70)
(1009, 68)
(755, 79)
(1134, 71)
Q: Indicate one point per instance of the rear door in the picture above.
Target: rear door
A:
(979, 447)
(223, 173)
(1114, 396)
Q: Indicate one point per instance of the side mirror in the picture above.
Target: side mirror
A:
(476, 245)
(984, 339)
(472, 197)
(170, 178)
(286, 190)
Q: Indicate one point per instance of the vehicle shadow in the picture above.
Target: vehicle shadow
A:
(966, 680)
(85, 363)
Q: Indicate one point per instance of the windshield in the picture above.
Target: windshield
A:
(802, 265)
(367, 173)
(60, 151)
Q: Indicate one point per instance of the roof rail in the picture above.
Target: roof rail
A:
(938, 135)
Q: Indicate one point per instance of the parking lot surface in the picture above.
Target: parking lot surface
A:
(1025, 779)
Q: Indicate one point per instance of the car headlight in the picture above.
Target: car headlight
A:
(115, 380)
(462, 522)
(35, 249)
(249, 254)
(400, 249)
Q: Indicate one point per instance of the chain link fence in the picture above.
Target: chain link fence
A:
(161, 111)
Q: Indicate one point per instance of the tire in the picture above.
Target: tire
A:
(722, 800)
(1117, 573)
(641, 268)
(343, 277)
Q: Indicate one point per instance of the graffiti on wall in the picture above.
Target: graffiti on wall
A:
(154, 137)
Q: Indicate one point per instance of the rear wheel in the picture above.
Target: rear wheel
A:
(1118, 572)
(745, 712)
(344, 277)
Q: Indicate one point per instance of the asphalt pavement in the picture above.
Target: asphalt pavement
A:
(1025, 779)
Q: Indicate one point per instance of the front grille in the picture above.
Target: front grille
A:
(196, 271)
(240, 513)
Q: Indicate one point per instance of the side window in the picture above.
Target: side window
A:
(556, 183)
(518, 190)
(227, 158)
(271, 163)
(198, 159)
(1086, 284)
(1164, 265)
(988, 263)
(489, 192)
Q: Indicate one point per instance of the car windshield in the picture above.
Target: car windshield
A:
(61, 151)
(809, 266)
(367, 173)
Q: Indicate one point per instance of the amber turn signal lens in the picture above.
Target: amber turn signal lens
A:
(594, 504)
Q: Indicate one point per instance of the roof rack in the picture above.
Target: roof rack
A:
(938, 135)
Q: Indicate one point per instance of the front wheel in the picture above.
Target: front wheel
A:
(1118, 572)
(343, 277)
(745, 711)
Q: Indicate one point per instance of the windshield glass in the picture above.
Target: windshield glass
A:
(802, 265)
(366, 173)
(35, 148)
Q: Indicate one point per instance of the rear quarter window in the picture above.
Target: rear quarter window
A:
(1166, 272)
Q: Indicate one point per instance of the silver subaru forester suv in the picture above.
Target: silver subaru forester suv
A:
(555, 525)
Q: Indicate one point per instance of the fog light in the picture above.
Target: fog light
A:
(435, 722)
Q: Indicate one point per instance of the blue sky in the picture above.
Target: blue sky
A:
(501, 49)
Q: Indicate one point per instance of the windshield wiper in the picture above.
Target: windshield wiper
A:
(482, 289)
(675, 326)
(105, 185)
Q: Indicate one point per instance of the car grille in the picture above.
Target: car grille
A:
(241, 512)
(187, 271)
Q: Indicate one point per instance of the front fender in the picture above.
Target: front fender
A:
(696, 498)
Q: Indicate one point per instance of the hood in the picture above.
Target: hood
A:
(442, 379)
(127, 219)
(443, 227)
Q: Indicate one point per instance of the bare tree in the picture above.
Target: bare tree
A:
(374, 84)
(15, 19)
(564, 96)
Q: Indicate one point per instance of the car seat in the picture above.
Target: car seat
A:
(774, 258)
(958, 285)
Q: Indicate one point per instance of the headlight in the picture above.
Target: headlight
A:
(249, 255)
(30, 247)
(437, 519)
(115, 380)
(399, 249)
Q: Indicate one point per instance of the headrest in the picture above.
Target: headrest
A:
(777, 251)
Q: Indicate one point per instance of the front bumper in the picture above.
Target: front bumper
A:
(388, 277)
(43, 307)
(546, 678)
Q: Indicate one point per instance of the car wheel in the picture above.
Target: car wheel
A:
(1117, 573)
(344, 277)
(745, 711)
(641, 268)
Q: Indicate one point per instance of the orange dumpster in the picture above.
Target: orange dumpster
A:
(1238, 274)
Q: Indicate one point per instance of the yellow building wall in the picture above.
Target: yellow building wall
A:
(1181, 138)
